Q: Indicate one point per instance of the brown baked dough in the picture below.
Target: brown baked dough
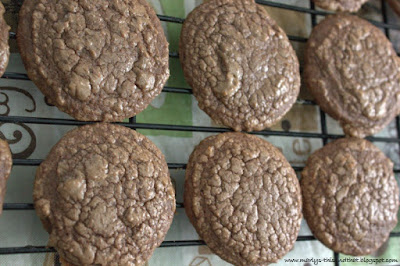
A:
(105, 196)
(353, 72)
(243, 198)
(350, 195)
(240, 64)
(395, 5)
(340, 5)
(5, 169)
(4, 47)
(95, 60)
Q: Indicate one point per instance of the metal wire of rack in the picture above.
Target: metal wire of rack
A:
(324, 135)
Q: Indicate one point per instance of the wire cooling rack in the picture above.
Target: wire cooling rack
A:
(324, 136)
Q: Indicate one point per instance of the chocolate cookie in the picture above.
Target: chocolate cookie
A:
(4, 35)
(353, 72)
(95, 60)
(395, 5)
(105, 196)
(240, 64)
(340, 5)
(5, 169)
(243, 198)
(350, 195)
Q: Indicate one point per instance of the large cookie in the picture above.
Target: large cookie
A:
(350, 196)
(4, 47)
(95, 60)
(340, 5)
(243, 198)
(105, 196)
(5, 169)
(353, 72)
(240, 64)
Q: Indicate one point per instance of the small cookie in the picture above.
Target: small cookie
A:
(5, 169)
(243, 198)
(4, 47)
(240, 64)
(340, 5)
(105, 196)
(350, 196)
(353, 72)
(95, 60)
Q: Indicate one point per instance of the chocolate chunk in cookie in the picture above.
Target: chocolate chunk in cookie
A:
(240, 64)
(350, 196)
(105, 196)
(353, 72)
(243, 198)
(5, 169)
(95, 60)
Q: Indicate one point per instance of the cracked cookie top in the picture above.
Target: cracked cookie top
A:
(105, 196)
(96, 60)
(350, 196)
(240, 64)
(243, 198)
(353, 72)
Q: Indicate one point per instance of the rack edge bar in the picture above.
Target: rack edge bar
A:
(179, 243)
(70, 122)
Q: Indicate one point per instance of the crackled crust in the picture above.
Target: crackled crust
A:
(4, 47)
(340, 5)
(105, 196)
(350, 196)
(95, 60)
(353, 72)
(240, 64)
(243, 198)
(5, 169)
